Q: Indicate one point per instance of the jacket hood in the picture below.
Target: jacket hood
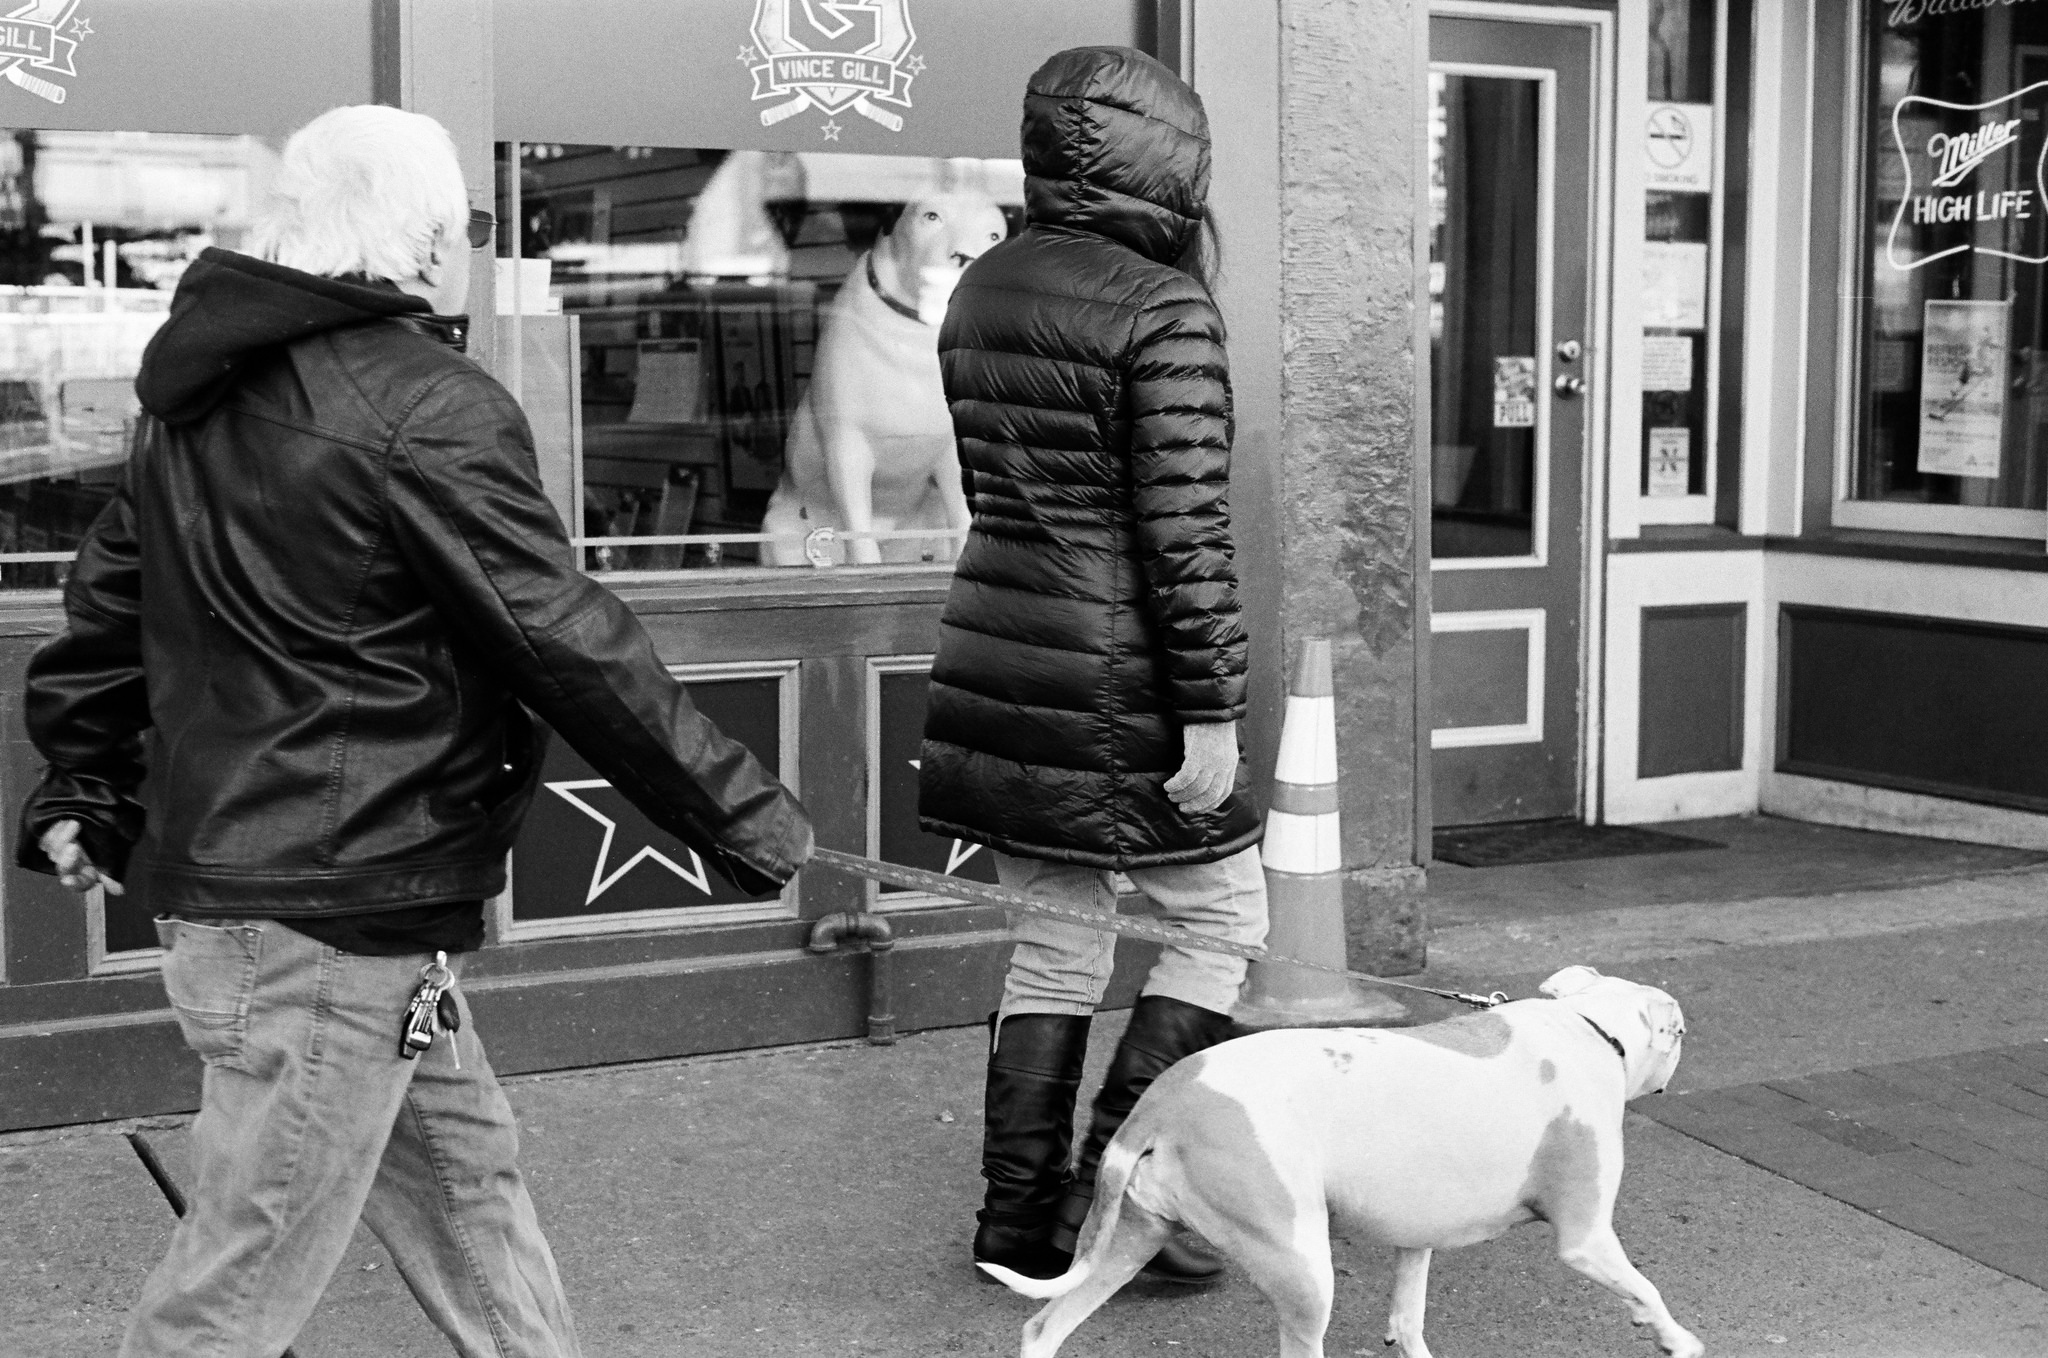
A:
(1116, 144)
(232, 309)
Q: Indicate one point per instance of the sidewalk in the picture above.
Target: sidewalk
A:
(819, 1201)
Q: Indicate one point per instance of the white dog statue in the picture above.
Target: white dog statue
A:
(1421, 1138)
(871, 446)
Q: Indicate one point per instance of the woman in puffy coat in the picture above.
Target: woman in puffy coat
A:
(1091, 663)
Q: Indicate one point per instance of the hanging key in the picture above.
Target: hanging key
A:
(417, 1033)
(450, 1017)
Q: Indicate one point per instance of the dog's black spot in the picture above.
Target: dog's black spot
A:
(1480, 1035)
(1339, 1061)
(1563, 1186)
(1547, 1070)
(1226, 1174)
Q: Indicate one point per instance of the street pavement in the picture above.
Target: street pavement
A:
(819, 1200)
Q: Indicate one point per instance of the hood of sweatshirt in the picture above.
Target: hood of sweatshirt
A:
(1116, 144)
(231, 310)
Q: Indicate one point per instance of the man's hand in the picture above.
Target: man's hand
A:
(74, 869)
(1208, 766)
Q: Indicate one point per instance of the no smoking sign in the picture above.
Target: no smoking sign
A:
(1678, 148)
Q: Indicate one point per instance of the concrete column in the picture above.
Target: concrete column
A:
(434, 57)
(1351, 509)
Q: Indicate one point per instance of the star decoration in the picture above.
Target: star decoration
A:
(748, 55)
(600, 880)
(961, 850)
(915, 65)
(831, 130)
(80, 29)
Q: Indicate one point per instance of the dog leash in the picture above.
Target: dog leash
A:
(959, 888)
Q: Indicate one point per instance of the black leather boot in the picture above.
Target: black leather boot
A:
(1162, 1031)
(1034, 1079)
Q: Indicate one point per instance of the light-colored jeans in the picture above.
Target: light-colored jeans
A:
(309, 1119)
(1060, 968)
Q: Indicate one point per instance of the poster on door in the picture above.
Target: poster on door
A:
(1964, 353)
(1514, 392)
(1670, 471)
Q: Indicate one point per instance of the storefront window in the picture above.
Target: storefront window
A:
(1953, 394)
(755, 344)
(95, 230)
(1678, 237)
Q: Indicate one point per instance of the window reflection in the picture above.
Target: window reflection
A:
(1484, 181)
(757, 344)
(95, 230)
(1954, 391)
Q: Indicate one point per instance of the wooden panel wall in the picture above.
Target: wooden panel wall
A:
(1690, 700)
(1930, 705)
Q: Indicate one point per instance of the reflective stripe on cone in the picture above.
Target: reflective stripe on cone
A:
(1304, 861)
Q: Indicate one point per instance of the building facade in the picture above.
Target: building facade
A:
(1639, 394)
(1736, 470)
(701, 206)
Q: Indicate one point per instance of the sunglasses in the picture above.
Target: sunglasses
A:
(481, 224)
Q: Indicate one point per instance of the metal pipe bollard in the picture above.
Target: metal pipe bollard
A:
(863, 926)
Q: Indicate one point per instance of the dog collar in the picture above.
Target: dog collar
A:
(1608, 1038)
(890, 302)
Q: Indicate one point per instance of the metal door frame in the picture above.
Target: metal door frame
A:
(1603, 172)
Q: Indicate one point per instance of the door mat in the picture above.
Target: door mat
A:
(1554, 841)
(1951, 1148)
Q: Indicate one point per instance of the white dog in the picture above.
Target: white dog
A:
(871, 447)
(1421, 1138)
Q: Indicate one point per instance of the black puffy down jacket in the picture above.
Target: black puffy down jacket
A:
(1094, 610)
(331, 585)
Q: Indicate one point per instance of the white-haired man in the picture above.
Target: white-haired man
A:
(320, 606)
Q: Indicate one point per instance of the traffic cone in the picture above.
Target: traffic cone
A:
(1305, 873)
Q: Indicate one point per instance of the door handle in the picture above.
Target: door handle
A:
(1569, 386)
(1568, 351)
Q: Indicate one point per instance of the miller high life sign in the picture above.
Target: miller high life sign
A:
(832, 56)
(1962, 165)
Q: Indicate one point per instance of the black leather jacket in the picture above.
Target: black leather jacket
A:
(329, 589)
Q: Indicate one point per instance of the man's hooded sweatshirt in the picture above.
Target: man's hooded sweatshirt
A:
(319, 609)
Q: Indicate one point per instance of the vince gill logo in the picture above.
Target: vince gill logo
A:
(41, 36)
(833, 56)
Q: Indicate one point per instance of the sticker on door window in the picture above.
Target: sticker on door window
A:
(1674, 292)
(1667, 363)
(1670, 461)
(1514, 392)
(1678, 148)
(1963, 362)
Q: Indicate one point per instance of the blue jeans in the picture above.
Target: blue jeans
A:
(308, 1120)
(1059, 968)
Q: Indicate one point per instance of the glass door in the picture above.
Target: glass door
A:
(1510, 141)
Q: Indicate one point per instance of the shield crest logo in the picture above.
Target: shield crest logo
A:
(833, 55)
(38, 40)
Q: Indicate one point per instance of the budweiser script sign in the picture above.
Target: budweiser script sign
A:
(1899, 13)
(833, 55)
(1964, 163)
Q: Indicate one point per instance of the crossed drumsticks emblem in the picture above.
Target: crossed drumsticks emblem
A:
(771, 27)
(55, 14)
